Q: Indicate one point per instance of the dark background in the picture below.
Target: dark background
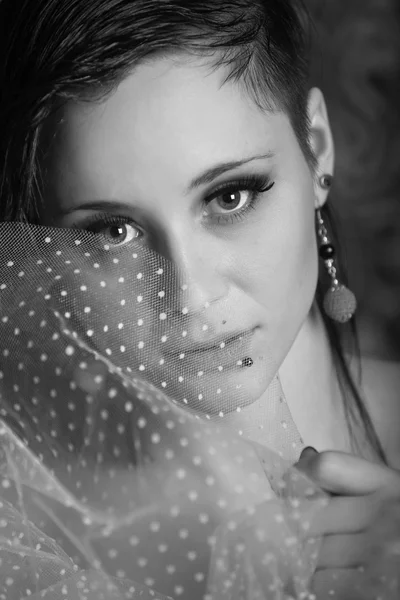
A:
(356, 62)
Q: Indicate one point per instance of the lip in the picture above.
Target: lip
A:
(230, 341)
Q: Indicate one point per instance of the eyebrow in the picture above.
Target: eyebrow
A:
(209, 175)
(204, 178)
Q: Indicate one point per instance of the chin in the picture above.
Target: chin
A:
(218, 394)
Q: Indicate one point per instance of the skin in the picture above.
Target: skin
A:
(140, 149)
(359, 527)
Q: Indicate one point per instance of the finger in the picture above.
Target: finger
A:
(346, 474)
(347, 584)
(344, 515)
(307, 453)
(348, 551)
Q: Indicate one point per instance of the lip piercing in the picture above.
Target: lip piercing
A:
(247, 362)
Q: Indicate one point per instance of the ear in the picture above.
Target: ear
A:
(321, 141)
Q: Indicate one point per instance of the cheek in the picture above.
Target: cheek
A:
(278, 264)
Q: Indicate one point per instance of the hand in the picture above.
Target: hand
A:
(360, 527)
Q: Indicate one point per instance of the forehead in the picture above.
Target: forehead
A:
(168, 118)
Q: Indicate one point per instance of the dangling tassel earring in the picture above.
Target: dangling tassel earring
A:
(339, 302)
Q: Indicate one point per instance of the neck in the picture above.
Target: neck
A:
(311, 387)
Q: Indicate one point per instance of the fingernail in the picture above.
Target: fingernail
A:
(308, 451)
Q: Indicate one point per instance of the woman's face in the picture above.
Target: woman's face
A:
(193, 169)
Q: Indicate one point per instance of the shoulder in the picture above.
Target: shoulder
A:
(380, 386)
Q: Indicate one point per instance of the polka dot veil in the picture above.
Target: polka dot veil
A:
(131, 462)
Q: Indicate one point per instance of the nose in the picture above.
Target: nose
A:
(199, 270)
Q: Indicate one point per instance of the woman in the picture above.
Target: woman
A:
(187, 130)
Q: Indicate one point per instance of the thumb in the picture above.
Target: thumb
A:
(307, 457)
(308, 453)
(346, 474)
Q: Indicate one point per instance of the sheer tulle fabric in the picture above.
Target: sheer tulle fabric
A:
(127, 470)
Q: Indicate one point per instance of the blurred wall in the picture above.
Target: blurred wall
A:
(356, 62)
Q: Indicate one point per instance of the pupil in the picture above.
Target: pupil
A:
(231, 200)
(117, 231)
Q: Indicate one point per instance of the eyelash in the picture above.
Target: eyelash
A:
(256, 184)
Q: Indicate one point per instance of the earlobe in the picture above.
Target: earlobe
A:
(321, 141)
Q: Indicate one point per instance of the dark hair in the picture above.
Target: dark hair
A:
(344, 337)
(53, 52)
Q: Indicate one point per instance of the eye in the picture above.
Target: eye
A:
(234, 199)
(229, 201)
(121, 234)
(116, 231)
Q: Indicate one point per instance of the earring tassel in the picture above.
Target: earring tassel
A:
(340, 303)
